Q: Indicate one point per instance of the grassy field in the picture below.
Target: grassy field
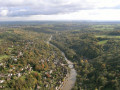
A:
(3, 57)
(102, 42)
(108, 36)
(103, 27)
(10, 49)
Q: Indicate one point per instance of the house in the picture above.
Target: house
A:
(51, 71)
(26, 67)
(15, 59)
(2, 81)
(62, 64)
(56, 88)
(1, 64)
(46, 85)
(10, 74)
(11, 70)
(38, 87)
(18, 74)
(13, 67)
(20, 54)
(48, 60)
(30, 69)
(42, 60)
(1, 86)
(45, 78)
(22, 69)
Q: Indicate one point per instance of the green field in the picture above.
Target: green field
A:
(3, 57)
(103, 27)
(102, 42)
(108, 36)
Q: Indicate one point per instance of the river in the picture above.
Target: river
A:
(70, 80)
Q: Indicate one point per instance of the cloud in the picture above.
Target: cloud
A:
(59, 10)
(51, 7)
(3, 12)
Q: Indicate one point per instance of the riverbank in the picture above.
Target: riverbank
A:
(70, 78)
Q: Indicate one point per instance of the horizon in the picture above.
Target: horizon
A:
(62, 21)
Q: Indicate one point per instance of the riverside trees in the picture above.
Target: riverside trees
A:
(97, 65)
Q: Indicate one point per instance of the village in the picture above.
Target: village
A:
(20, 63)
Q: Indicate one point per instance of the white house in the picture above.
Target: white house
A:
(2, 81)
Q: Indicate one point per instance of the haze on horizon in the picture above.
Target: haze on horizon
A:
(25, 10)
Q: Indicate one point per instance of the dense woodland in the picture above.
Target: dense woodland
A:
(28, 61)
(95, 54)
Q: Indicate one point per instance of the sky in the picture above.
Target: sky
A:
(25, 10)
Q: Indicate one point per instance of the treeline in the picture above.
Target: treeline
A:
(78, 45)
(115, 33)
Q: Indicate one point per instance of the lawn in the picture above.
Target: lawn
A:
(3, 57)
(102, 42)
(108, 36)
(10, 49)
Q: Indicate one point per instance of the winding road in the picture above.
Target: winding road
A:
(70, 80)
